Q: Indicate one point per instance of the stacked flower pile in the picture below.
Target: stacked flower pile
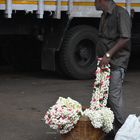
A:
(65, 114)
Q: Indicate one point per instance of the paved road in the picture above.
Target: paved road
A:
(25, 97)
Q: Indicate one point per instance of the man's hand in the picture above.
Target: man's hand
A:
(105, 61)
(118, 46)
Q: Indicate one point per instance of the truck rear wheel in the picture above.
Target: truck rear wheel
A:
(77, 55)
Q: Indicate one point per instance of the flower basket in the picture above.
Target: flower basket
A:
(84, 131)
(77, 122)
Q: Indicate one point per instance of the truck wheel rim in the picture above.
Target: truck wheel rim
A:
(85, 53)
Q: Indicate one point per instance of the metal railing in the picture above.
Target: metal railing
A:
(40, 8)
(70, 7)
(8, 10)
(40, 11)
(58, 9)
(128, 6)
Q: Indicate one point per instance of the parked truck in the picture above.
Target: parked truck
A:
(68, 30)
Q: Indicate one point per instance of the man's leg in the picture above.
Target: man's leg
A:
(115, 101)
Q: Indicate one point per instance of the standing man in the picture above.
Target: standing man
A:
(114, 48)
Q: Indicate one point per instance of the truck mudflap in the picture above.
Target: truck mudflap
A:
(54, 33)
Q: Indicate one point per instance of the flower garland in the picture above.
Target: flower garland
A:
(100, 87)
(102, 118)
(98, 113)
(63, 115)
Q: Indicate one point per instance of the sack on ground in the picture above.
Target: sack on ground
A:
(130, 130)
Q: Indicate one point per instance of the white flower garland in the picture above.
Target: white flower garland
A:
(98, 113)
(66, 112)
(100, 87)
(102, 118)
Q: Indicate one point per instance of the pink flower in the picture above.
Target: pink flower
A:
(108, 77)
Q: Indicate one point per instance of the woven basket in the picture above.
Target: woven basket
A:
(84, 131)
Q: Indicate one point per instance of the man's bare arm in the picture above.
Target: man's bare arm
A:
(122, 42)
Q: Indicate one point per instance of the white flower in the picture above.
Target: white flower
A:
(108, 118)
(95, 117)
(102, 118)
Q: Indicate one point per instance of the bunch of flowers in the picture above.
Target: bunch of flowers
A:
(98, 113)
(102, 118)
(63, 115)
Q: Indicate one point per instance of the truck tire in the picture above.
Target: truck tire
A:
(77, 55)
